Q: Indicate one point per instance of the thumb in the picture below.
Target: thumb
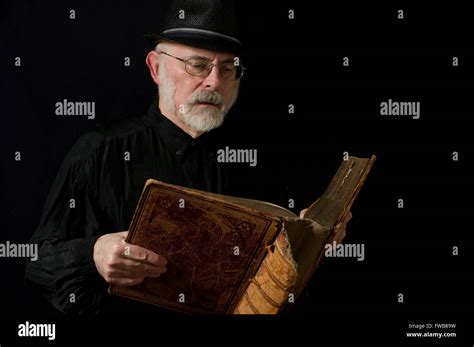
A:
(123, 234)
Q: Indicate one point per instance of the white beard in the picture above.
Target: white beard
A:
(199, 118)
(202, 118)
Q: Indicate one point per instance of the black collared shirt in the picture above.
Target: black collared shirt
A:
(96, 192)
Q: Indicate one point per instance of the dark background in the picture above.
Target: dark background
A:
(296, 62)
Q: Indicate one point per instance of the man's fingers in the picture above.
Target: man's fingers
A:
(119, 273)
(348, 217)
(340, 230)
(346, 220)
(340, 235)
(141, 254)
(126, 282)
(123, 234)
(137, 267)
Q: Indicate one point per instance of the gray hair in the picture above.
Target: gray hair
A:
(161, 46)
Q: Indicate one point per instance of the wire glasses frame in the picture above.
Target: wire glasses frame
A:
(202, 67)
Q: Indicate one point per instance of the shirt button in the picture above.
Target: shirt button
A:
(179, 152)
(193, 143)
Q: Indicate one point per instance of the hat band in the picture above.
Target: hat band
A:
(201, 31)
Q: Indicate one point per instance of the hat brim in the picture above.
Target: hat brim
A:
(196, 40)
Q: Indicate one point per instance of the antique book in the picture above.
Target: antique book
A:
(229, 255)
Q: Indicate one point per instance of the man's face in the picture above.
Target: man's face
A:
(201, 103)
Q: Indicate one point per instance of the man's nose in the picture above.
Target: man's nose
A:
(213, 80)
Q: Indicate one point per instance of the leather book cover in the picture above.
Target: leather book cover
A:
(299, 248)
(213, 247)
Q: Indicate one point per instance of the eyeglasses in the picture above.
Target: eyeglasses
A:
(202, 67)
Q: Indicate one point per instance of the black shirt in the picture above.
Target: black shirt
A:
(96, 192)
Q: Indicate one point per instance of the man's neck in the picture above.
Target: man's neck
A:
(178, 122)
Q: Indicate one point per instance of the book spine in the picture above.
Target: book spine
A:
(269, 289)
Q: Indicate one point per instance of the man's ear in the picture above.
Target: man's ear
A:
(152, 63)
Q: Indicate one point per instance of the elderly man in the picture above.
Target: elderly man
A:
(196, 66)
(81, 233)
(195, 94)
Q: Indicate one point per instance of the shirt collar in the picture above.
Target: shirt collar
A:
(174, 137)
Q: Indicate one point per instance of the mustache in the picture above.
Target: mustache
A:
(208, 97)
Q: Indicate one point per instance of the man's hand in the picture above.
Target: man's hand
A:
(124, 264)
(340, 230)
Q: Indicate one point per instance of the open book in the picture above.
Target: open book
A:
(233, 255)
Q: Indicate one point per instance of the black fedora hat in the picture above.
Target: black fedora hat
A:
(208, 24)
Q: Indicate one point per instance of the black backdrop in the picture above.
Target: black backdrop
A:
(337, 108)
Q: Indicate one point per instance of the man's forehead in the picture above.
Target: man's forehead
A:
(194, 51)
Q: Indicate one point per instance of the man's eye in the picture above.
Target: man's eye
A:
(198, 64)
(228, 67)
